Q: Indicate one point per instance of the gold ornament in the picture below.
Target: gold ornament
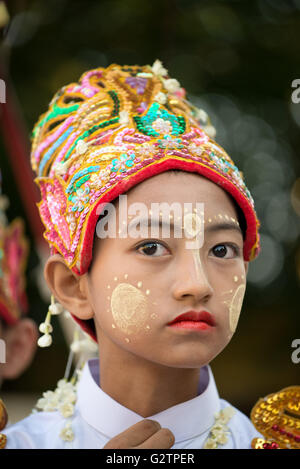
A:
(3, 440)
(3, 415)
(277, 418)
(3, 422)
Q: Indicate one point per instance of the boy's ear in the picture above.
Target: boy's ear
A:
(69, 289)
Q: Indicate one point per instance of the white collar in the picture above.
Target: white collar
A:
(185, 420)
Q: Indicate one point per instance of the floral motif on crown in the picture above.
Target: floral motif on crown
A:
(108, 127)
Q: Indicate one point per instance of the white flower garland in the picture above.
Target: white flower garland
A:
(219, 431)
(62, 399)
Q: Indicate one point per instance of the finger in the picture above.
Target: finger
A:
(134, 435)
(163, 439)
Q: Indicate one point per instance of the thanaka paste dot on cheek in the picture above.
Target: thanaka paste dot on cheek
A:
(225, 292)
(129, 308)
(236, 306)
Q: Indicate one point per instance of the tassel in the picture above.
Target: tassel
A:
(45, 327)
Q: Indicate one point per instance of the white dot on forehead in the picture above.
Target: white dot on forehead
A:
(192, 224)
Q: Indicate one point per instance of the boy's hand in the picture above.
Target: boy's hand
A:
(143, 435)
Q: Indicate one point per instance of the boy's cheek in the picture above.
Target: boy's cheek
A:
(231, 304)
(129, 308)
(235, 307)
(126, 309)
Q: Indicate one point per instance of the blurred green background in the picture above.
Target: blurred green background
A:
(237, 60)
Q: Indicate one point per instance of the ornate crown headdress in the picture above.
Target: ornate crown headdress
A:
(110, 131)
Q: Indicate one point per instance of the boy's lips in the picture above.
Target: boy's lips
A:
(195, 317)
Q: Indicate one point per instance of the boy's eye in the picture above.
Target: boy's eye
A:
(226, 251)
(153, 249)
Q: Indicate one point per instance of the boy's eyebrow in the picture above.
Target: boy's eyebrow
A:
(223, 226)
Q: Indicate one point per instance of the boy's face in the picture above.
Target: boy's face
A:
(137, 286)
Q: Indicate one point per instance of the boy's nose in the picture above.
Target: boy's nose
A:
(191, 277)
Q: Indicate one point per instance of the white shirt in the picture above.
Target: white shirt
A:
(98, 418)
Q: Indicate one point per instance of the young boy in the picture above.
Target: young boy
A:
(161, 307)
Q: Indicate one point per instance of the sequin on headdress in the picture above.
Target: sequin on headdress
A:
(113, 129)
(13, 255)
